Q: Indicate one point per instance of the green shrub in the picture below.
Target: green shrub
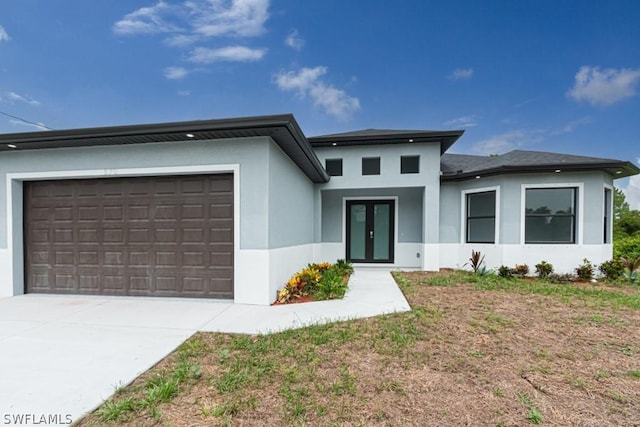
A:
(505, 272)
(630, 266)
(343, 267)
(585, 270)
(628, 247)
(331, 286)
(544, 269)
(611, 269)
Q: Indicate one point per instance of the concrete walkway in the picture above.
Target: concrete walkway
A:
(61, 356)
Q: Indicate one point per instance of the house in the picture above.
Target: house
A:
(231, 208)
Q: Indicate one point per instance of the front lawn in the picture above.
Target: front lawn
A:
(475, 350)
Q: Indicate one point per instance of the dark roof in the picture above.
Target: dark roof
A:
(457, 167)
(388, 136)
(283, 129)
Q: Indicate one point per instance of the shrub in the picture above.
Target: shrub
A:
(628, 247)
(476, 261)
(332, 285)
(544, 269)
(521, 270)
(323, 281)
(505, 271)
(585, 270)
(344, 267)
(611, 269)
(630, 266)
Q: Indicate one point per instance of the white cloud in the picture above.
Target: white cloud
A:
(194, 20)
(189, 22)
(500, 144)
(3, 34)
(464, 121)
(14, 97)
(184, 92)
(461, 74)
(214, 18)
(604, 87)
(294, 41)
(203, 55)
(175, 73)
(301, 80)
(148, 20)
(632, 191)
(181, 40)
(308, 82)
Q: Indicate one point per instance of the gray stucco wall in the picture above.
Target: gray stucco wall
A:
(249, 153)
(510, 203)
(409, 212)
(291, 202)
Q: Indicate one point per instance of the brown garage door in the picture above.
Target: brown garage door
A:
(151, 236)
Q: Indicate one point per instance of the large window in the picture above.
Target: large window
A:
(550, 215)
(607, 216)
(481, 217)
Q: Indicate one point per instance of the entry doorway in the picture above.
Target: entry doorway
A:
(370, 231)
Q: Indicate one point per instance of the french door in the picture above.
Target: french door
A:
(370, 225)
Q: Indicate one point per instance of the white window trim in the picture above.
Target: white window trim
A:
(579, 217)
(463, 214)
(610, 228)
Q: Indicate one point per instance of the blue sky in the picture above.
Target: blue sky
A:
(531, 75)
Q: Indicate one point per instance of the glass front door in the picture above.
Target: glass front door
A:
(370, 230)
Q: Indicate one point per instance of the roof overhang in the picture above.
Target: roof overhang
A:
(616, 169)
(445, 138)
(283, 129)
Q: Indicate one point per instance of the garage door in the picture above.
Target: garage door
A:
(151, 236)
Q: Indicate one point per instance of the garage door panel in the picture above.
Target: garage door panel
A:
(166, 236)
(88, 283)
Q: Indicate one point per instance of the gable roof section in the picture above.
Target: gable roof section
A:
(388, 136)
(283, 129)
(458, 167)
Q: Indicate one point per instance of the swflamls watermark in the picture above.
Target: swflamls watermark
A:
(33, 419)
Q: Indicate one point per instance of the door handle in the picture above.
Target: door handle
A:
(371, 234)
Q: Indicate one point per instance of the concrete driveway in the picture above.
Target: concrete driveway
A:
(61, 356)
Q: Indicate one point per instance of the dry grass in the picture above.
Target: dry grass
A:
(492, 352)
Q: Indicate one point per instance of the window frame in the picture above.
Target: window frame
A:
(410, 157)
(578, 195)
(370, 159)
(326, 165)
(464, 221)
(607, 221)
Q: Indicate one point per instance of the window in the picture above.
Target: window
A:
(481, 217)
(410, 164)
(371, 166)
(550, 215)
(333, 167)
(607, 216)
